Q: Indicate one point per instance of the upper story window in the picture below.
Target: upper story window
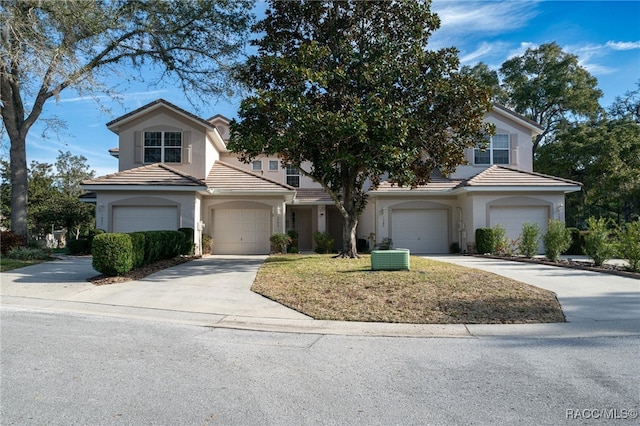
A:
(162, 147)
(496, 153)
(273, 165)
(293, 176)
(256, 166)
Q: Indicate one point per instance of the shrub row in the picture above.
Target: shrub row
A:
(601, 241)
(117, 254)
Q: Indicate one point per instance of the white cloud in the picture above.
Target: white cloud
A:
(492, 17)
(623, 45)
(483, 51)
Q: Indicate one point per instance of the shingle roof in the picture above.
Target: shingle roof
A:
(226, 177)
(152, 174)
(500, 176)
(529, 121)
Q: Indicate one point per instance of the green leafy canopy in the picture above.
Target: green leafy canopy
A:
(348, 92)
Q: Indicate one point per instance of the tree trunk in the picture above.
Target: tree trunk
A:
(349, 247)
(18, 158)
(350, 216)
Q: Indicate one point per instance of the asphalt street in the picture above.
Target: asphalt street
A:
(76, 369)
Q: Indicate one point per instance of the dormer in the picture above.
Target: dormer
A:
(223, 124)
(510, 146)
(161, 132)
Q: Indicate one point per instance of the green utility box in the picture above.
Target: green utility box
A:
(390, 260)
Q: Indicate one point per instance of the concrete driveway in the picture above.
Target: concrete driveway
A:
(215, 291)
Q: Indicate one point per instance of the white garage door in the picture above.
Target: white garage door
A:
(139, 218)
(512, 219)
(241, 231)
(421, 231)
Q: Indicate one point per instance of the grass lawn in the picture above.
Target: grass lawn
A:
(430, 293)
(7, 264)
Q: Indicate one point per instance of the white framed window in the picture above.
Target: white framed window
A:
(497, 152)
(293, 176)
(256, 165)
(273, 165)
(162, 147)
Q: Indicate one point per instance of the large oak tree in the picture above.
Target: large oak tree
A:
(550, 87)
(49, 46)
(351, 88)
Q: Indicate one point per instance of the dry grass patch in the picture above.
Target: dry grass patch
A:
(431, 293)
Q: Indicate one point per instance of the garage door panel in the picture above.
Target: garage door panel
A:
(145, 218)
(241, 231)
(421, 231)
(513, 217)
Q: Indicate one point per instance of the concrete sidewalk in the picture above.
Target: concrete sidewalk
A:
(215, 291)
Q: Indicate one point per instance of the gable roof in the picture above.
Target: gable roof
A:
(158, 103)
(225, 178)
(494, 178)
(504, 111)
(500, 177)
(157, 176)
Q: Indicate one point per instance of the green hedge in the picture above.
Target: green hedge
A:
(138, 243)
(484, 240)
(116, 254)
(187, 245)
(112, 254)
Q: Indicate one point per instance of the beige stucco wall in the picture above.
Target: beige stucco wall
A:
(521, 137)
(202, 150)
(185, 202)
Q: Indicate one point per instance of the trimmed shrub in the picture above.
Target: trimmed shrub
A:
(386, 244)
(292, 247)
(22, 253)
(279, 243)
(207, 244)
(484, 240)
(10, 240)
(629, 237)
(454, 248)
(577, 242)
(137, 248)
(79, 247)
(556, 240)
(529, 239)
(187, 245)
(597, 243)
(152, 246)
(500, 244)
(324, 242)
(112, 254)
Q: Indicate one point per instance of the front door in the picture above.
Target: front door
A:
(301, 221)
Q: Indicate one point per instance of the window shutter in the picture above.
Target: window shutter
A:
(138, 148)
(513, 140)
(186, 147)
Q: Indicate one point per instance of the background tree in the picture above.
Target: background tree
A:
(549, 87)
(348, 92)
(488, 78)
(53, 195)
(49, 46)
(603, 154)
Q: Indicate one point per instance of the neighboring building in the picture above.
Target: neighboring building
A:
(175, 171)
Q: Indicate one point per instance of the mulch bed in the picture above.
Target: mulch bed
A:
(573, 264)
(139, 273)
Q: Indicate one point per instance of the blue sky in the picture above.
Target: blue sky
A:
(605, 35)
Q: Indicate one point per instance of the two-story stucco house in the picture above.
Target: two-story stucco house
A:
(175, 171)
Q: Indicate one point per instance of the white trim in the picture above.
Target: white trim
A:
(165, 188)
